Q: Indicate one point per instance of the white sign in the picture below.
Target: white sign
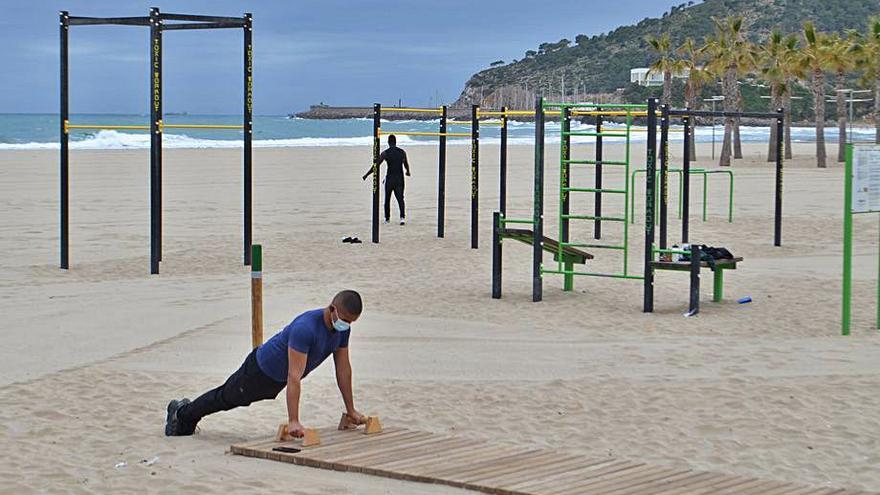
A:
(866, 178)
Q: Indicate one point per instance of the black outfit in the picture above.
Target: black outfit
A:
(247, 385)
(394, 182)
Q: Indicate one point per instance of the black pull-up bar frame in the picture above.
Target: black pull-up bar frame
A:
(157, 22)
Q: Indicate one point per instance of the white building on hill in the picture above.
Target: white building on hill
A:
(643, 76)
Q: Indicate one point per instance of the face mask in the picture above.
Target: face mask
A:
(339, 325)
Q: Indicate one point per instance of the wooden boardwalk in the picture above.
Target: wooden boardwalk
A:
(507, 469)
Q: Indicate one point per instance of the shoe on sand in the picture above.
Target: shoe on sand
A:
(402, 221)
(174, 427)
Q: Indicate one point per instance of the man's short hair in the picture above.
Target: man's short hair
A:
(350, 301)
(392, 139)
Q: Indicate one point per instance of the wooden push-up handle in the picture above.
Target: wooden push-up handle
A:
(309, 439)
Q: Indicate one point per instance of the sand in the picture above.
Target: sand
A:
(92, 355)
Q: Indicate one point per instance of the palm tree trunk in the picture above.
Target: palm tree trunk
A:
(819, 101)
(737, 142)
(786, 108)
(667, 88)
(691, 102)
(775, 103)
(729, 90)
(841, 117)
(877, 110)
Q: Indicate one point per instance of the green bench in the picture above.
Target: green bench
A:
(718, 276)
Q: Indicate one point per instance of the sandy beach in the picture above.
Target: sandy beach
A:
(92, 355)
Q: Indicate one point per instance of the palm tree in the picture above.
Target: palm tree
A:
(667, 63)
(775, 68)
(692, 60)
(726, 52)
(867, 49)
(814, 59)
(841, 61)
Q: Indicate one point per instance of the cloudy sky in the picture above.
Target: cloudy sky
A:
(343, 52)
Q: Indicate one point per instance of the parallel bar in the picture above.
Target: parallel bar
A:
(475, 177)
(594, 246)
(597, 162)
(709, 113)
(595, 105)
(199, 18)
(594, 217)
(595, 190)
(155, 140)
(438, 111)
(538, 203)
(596, 134)
(64, 161)
(204, 126)
(441, 175)
(434, 134)
(105, 126)
(248, 127)
(650, 190)
(209, 25)
(120, 21)
(607, 113)
(514, 220)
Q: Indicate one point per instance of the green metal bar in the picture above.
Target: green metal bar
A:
(595, 246)
(593, 162)
(256, 258)
(593, 189)
(593, 217)
(705, 194)
(569, 277)
(604, 106)
(564, 154)
(718, 289)
(626, 197)
(593, 274)
(847, 242)
(515, 220)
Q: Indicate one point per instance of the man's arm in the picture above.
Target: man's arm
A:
(343, 381)
(406, 163)
(378, 164)
(295, 367)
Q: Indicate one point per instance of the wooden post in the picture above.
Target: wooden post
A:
(256, 295)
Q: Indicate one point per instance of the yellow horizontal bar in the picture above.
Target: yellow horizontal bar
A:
(470, 123)
(108, 127)
(202, 126)
(611, 113)
(412, 110)
(435, 134)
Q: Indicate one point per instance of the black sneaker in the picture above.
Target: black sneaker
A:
(173, 426)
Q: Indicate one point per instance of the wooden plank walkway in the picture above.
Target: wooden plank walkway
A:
(508, 469)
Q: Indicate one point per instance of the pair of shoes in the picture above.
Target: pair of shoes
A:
(353, 240)
(174, 427)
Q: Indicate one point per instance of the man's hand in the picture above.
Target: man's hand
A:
(295, 429)
(351, 420)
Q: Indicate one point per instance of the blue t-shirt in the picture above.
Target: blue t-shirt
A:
(307, 334)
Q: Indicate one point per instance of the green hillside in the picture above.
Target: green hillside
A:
(601, 63)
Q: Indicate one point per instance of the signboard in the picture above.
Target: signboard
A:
(865, 178)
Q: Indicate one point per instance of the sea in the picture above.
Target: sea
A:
(40, 131)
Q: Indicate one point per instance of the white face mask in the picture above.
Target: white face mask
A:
(338, 324)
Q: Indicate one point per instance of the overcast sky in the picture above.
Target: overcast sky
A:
(341, 52)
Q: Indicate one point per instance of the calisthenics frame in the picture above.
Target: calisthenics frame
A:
(156, 21)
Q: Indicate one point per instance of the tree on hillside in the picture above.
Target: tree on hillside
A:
(815, 59)
(727, 52)
(840, 62)
(692, 60)
(667, 63)
(867, 50)
(776, 66)
(496, 63)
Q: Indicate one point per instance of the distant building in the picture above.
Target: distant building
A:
(643, 76)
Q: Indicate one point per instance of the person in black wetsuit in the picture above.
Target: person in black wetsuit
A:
(396, 159)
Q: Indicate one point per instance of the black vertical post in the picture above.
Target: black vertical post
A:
(155, 140)
(564, 177)
(597, 226)
(64, 164)
(696, 259)
(664, 172)
(777, 224)
(441, 175)
(538, 203)
(377, 123)
(686, 177)
(502, 160)
(650, 192)
(248, 129)
(475, 175)
(496, 255)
